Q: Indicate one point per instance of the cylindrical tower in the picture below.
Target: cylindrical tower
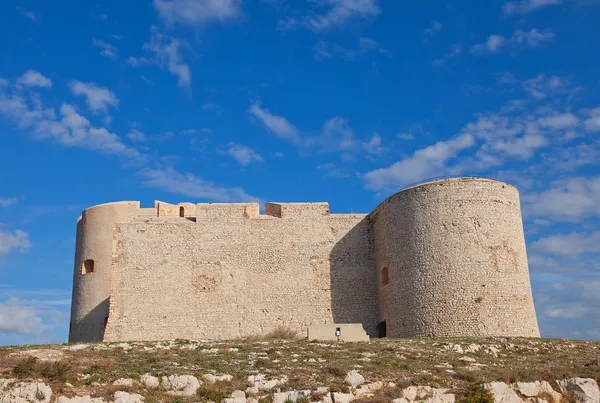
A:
(451, 261)
(92, 273)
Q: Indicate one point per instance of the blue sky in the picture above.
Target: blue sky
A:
(344, 101)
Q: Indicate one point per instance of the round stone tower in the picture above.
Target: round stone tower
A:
(451, 261)
(92, 273)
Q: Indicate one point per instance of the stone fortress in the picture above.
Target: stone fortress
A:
(445, 258)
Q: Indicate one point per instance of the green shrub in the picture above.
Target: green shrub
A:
(477, 394)
(26, 368)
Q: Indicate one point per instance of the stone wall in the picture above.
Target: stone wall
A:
(455, 255)
(234, 273)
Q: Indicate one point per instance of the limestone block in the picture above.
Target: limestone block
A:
(150, 381)
(80, 399)
(533, 389)
(126, 382)
(354, 379)
(124, 397)
(238, 396)
(24, 392)
(585, 390)
(210, 378)
(343, 397)
(502, 393)
(181, 385)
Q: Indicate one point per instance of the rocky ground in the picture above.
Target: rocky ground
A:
(282, 370)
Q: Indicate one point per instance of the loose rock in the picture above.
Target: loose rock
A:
(181, 385)
(354, 379)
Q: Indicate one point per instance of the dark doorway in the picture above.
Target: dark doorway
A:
(382, 329)
(181, 212)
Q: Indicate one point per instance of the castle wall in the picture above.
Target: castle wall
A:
(235, 273)
(91, 291)
(456, 261)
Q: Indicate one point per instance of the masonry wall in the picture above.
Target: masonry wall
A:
(91, 291)
(456, 261)
(234, 273)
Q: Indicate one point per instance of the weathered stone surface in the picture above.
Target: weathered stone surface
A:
(427, 394)
(150, 381)
(181, 385)
(80, 399)
(260, 382)
(354, 379)
(43, 354)
(533, 389)
(292, 395)
(124, 397)
(343, 397)
(238, 396)
(502, 393)
(126, 382)
(585, 390)
(24, 392)
(210, 378)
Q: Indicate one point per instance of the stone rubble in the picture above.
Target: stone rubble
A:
(181, 385)
(582, 390)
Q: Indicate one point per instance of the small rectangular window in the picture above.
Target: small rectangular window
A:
(385, 279)
(87, 267)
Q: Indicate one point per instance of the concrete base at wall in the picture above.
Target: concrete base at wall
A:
(330, 332)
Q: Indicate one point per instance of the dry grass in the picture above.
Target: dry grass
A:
(308, 365)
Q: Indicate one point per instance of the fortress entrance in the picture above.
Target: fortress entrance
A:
(382, 329)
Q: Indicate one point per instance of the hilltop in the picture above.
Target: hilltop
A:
(276, 369)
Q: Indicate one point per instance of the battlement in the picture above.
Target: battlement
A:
(221, 211)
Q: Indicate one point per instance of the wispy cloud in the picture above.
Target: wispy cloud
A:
(188, 184)
(569, 199)
(166, 52)
(7, 201)
(26, 13)
(333, 14)
(278, 125)
(108, 50)
(433, 28)
(16, 239)
(32, 78)
(526, 6)
(98, 99)
(244, 155)
(575, 243)
(69, 128)
(324, 50)
(519, 38)
(136, 136)
(197, 12)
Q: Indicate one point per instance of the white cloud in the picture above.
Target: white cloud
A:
(32, 78)
(167, 51)
(69, 129)
(570, 312)
(7, 201)
(424, 163)
(136, 136)
(566, 200)
(561, 121)
(337, 14)
(98, 99)
(16, 239)
(526, 6)
(108, 50)
(26, 13)
(455, 51)
(324, 50)
(542, 87)
(278, 125)
(170, 180)
(592, 123)
(433, 28)
(496, 43)
(16, 316)
(573, 244)
(197, 12)
(243, 154)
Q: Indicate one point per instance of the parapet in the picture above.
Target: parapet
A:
(226, 211)
(286, 210)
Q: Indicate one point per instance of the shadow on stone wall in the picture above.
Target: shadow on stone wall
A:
(91, 327)
(353, 280)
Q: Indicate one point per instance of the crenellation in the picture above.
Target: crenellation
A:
(444, 258)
